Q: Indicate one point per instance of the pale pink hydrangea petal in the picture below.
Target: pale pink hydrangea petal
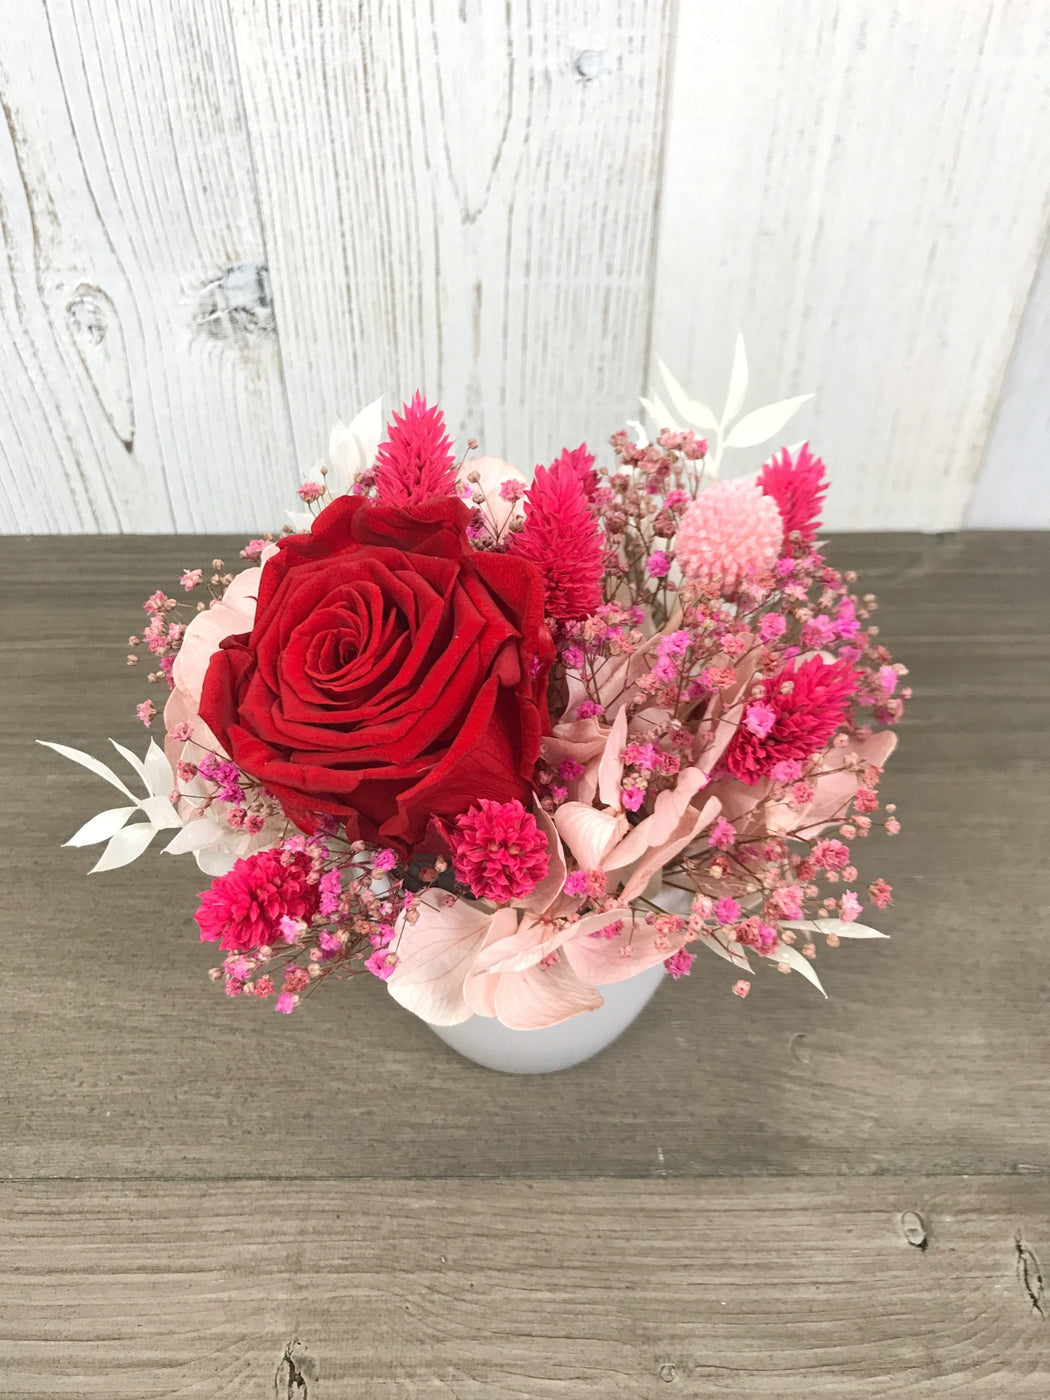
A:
(602, 961)
(835, 789)
(547, 891)
(582, 740)
(669, 809)
(589, 834)
(610, 766)
(687, 830)
(517, 947)
(434, 958)
(543, 996)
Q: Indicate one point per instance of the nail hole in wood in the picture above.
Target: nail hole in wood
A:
(668, 1371)
(590, 64)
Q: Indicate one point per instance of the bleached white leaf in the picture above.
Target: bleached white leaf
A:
(737, 382)
(839, 927)
(216, 861)
(659, 413)
(102, 827)
(784, 953)
(134, 761)
(94, 765)
(160, 811)
(353, 449)
(159, 777)
(300, 521)
(194, 836)
(730, 951)
(127, 845)
(692, 410)
(763, 423)
(641, 437)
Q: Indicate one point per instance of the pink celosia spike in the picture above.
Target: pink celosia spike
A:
(798, 486)
(581, 461)
(416, 462)
(561, 537)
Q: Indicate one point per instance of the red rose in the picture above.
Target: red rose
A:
(393, 674)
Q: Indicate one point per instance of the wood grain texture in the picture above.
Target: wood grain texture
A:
(530, 1291)
(1013, 489)
(140, 379)
(450, 204)
(929, 1057)
(861, 190)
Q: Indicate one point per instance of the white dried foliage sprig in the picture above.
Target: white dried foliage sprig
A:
(727, 430)
(125, 842)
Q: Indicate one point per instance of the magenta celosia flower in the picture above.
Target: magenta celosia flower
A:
(581, 463)
(561, 537)
(730, 531)
(499, 851)
(798, 486)
(245, 908)
(810, 700)
(416, 461)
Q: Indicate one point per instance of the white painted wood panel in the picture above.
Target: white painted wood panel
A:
(1013, 489)
(511, 206)
(861, 189)
(140, 384)
(450, 204)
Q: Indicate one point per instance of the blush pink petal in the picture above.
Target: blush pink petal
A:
(543, 996)
(590, 834)
(516, 948)
(547, 891)
(610, 766)
(653, 831)
(584, 741)
(232, 615)
(834, 789)
(601, 961)
(686, 832)
(434, 959)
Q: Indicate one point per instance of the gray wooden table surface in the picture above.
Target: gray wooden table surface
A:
(782, 1197)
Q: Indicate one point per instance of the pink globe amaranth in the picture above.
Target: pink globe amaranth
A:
(798, 485)
(244, 908)
(730, 531)
(499, 851)
(809, 700)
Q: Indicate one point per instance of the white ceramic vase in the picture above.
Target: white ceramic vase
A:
(489, 1042)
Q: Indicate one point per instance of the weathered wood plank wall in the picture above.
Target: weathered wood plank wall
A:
(228, 222)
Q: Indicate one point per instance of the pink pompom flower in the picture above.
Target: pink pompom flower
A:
(499, 851)
(246, 907)
(730, 531)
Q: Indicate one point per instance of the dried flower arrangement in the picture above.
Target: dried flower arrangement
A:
(501, 743)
